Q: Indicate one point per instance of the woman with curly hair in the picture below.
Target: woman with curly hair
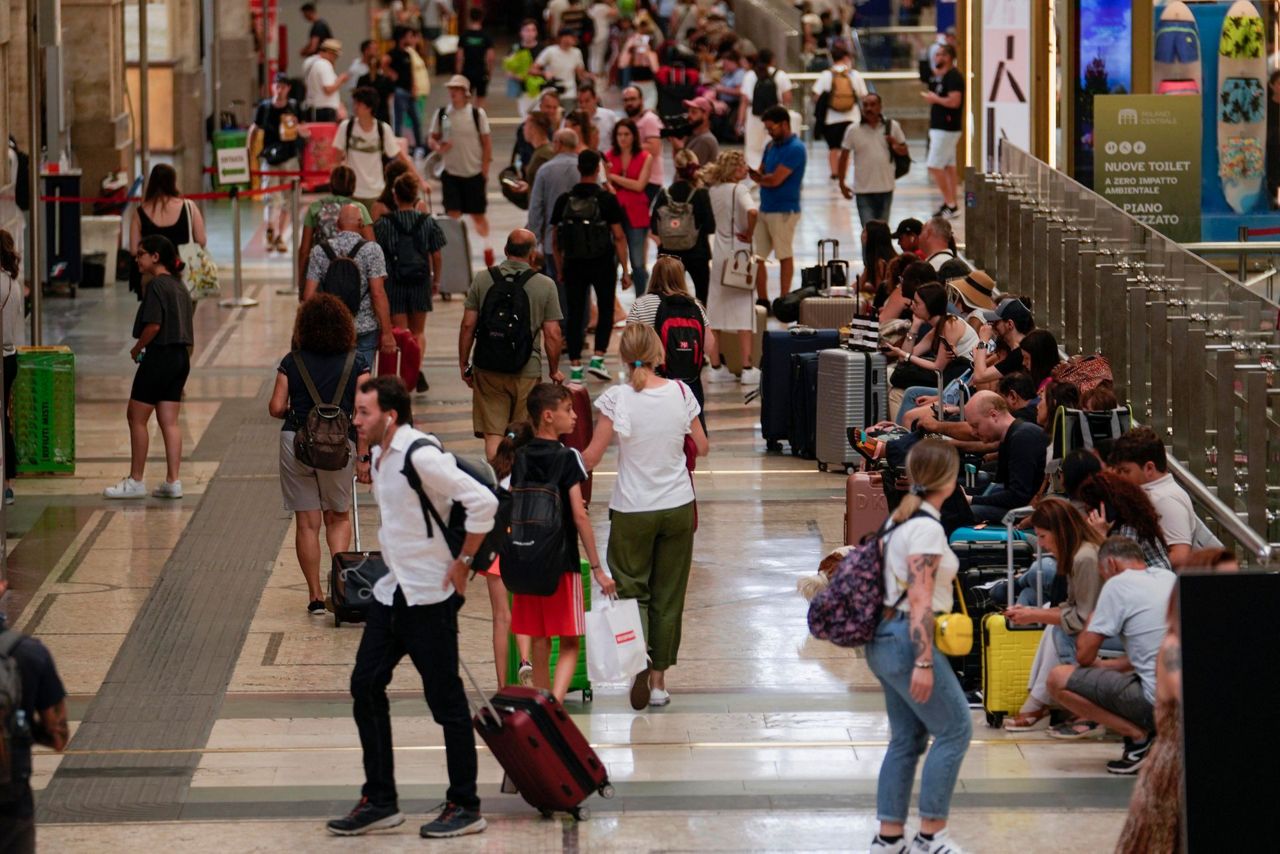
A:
(1117, 508)
(324, 356)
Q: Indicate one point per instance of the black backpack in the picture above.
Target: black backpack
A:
(583, 232)
(342, 279)
(765, 94)
(504, 338)
(679, 325)
(533, 554)
(455, 531)
(15, 730)
(408, 265)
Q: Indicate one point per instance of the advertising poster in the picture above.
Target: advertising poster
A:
(1006, 76)
(1147, 160)
(1105, 67)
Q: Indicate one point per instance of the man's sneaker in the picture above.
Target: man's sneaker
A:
(950, 211)
(750, 377)
(659, 697)
(8, 495)
(525, 674)
(720, 375)
(597, 369)
(316, 608)
(168, 490)
(940, 844)
(880, 846)
(126, 488)
(365, 817)
(575, 374)
(453, 821)
(422, 385)
(1135, 754)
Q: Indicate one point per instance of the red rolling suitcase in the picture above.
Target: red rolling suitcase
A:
(407, 362)
(583, 430)
(543, 752)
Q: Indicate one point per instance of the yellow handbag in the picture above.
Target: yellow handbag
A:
(953, 632)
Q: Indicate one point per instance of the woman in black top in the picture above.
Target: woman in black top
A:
(324, 338)
(686, 188)
(163, 353)
(163, 212)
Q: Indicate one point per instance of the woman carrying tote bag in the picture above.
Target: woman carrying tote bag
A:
(731, 309)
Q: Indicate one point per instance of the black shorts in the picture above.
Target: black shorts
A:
(162, 374)
(464, 194)
(409, 299)
(834, 134)
(479, 83)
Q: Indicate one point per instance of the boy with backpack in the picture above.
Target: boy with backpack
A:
(511, 314)
(839, 90)
(320, 222)
(540, 562)
(588, 243)
(764, 86)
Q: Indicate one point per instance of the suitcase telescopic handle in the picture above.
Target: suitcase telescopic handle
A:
(822, 249)
(1010, 520)
(355, 511)
(485, 703)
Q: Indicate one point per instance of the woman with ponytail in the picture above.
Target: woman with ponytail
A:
(162, 351)
(15, 335)
(921, 692)
(652, 509)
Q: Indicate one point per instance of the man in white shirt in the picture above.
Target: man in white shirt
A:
(415, 608)
(936, 240)
(364, 141)
(1139, 457)
(845, 89)
(563, 62)
(460, 132)
(324, 83)
(1120, 693)
(751, 108)
(872, 143)
(603, 120)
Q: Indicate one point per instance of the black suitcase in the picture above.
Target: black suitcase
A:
(352, 576)
(802, 434)
(822, 275)
(775, 380)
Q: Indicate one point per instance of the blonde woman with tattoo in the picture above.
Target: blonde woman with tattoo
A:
(921, 693)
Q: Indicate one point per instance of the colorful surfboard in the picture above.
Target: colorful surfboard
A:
(1176, 69)
(1242, 106)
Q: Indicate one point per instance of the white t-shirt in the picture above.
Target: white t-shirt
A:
(1177, 517)
(320, 73)
(1133, 606)
(870, 155)
(365, 158)
(919, 536)
(651, 426)
(465, 157)
(780, 79)
(563, 65)
(823, 84)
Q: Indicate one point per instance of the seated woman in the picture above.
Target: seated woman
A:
(1118, 508)
(1063, 533)
(941, 342)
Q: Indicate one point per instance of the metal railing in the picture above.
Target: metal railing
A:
(1191, 348)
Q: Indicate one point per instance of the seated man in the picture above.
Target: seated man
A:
(1021, 460)
(1017, 389)
(1120, 693)
(1139, 457)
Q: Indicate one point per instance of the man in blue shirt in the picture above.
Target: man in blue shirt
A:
(780, 175)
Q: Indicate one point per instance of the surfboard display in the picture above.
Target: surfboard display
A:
(1242, 106)
(1176, 70)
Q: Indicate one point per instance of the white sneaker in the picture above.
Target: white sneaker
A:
(126, 488)
(879, 846)
(659, 697)
(720, 375)
(750, 376)
(168, 490)
(940, 844)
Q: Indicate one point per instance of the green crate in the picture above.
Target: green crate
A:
(44, 410)
(580, 681)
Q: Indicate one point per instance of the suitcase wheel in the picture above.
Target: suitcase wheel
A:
(995, 719)
(580, 813)
(546, 813)
(822, 467)
(446, 297)
(606, 791)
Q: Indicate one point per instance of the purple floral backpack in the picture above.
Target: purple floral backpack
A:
(848, 610)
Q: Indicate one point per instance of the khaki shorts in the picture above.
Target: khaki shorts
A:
(775, 232)
(306, 488)
(497, 400)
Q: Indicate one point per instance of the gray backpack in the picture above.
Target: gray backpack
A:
(677, 226)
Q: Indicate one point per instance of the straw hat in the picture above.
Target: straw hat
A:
(976, 289)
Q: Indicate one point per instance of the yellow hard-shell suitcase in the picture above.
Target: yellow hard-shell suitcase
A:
(1008, 650)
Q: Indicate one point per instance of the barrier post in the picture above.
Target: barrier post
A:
(239, 300)
(295, 205)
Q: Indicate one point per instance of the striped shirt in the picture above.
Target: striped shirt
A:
(645, 310)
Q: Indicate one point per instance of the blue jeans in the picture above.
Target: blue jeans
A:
(945, 716)
(873, 206)
(909, 398)
(367, 346)
(406, 107)
(1024, 586)
(637, 240)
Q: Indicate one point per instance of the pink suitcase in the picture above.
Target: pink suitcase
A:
(865, 506)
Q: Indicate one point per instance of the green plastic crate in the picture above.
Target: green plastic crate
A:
(580, 681)
(44, 410)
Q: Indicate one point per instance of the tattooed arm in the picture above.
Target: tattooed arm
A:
(51, 728)
(922, 574)
(1169, 670)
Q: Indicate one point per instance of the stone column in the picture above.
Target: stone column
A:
(13, 105)
(93, 68)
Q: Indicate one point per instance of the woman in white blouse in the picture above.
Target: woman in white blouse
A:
(652, 507)
(731, 309)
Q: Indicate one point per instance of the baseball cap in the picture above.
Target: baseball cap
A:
(908, 226)
(457, 81)
(1008, 309)
(701, 103)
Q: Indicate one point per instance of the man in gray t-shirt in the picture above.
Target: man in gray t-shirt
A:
(1119, 693)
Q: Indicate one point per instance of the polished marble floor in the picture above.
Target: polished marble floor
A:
(772, 740)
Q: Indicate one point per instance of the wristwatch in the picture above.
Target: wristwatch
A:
(364, 458)
(466, 559)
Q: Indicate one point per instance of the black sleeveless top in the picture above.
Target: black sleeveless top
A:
(178, 234)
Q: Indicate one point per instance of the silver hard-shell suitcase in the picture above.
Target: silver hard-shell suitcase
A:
(455, 257)
(852, 392)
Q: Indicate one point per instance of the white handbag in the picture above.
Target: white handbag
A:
(740, 267)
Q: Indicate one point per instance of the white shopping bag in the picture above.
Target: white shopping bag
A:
(615, 639)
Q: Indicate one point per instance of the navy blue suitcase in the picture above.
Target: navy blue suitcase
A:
(802, 436)
(775, 380)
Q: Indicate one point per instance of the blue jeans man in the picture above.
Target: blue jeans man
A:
(406, 107)
(873, 206)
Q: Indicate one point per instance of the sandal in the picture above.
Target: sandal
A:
(1076, 729)
(1025, 722)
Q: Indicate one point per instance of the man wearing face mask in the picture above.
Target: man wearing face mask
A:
(946, 99)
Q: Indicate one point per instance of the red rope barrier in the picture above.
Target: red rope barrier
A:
(1262, 232)
(276, 173)
(89, 200)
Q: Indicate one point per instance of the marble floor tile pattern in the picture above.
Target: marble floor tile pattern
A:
(767, 730)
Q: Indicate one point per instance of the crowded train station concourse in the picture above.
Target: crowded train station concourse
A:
(639, 425)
